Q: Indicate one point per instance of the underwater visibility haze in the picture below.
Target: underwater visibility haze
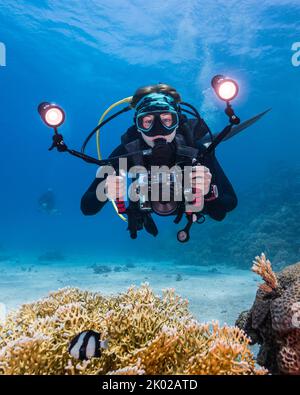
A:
(85, 56)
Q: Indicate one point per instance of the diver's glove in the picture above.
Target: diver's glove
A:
(137, 220)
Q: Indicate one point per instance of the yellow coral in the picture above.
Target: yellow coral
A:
(148, 334)
(262, 266)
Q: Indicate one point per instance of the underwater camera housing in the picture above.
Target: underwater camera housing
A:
(160, 187)
(151, 189)
(164, 191)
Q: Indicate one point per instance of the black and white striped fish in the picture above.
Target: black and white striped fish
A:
(87, 345)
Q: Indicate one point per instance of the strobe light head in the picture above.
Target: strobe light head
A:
(51, 114)
(226, 88)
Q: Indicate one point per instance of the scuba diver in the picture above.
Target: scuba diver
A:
(46, 202)
(159, 124)
(162, 137)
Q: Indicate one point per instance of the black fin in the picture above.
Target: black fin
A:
(98, 348)
(239, 128)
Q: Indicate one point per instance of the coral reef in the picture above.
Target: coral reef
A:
(147, 334)
(119, 269)
(100, 269)
(104, 269)
(5, 258)
(130, 265)
(274, 319)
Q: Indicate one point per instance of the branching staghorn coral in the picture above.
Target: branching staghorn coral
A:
(262, 266)
(148, 334)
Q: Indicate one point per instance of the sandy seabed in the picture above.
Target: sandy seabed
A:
(214, 292)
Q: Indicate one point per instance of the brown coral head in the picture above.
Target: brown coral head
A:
(285, 310)
(289, 354)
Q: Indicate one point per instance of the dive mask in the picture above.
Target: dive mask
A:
(156, 123)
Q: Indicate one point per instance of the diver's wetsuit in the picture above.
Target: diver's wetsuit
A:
(216, 209)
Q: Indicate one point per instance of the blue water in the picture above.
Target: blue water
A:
(85, 55)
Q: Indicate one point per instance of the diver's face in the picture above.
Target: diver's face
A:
(166, 120)
(146, 123)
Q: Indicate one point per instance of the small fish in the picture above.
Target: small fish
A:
(87, 345)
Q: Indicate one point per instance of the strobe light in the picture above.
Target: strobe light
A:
(226, 89)
(51, 114)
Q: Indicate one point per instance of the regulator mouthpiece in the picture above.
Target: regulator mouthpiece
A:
(226, 88)
(51, 114)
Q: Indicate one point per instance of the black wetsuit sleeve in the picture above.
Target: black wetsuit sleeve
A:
(90, 205)
(227, 199)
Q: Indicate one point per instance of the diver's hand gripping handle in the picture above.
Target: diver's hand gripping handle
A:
(213, 193)
(120, 203)
(195, 215)
(197, 192)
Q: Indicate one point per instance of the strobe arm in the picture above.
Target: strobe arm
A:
(59, 143)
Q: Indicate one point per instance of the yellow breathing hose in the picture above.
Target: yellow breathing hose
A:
(126, 100)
